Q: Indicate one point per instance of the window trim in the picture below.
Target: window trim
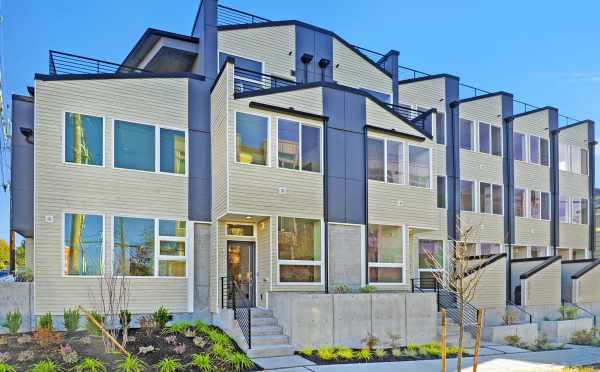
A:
(158, 257)
(501, 246)
(473, 135)
(62, 243)
(525, 201)
(385, 160)
(568, 211)
(407, 166)
(156, 247)
(402, 265)
(541, 207)
(443, 126)
(540, 138)
(568, 160)
(445, 193)
(157, 128)
(241, 236)
(269, 139)
(300, 124)
(525, 147)
(419, 270)
(474, 198)
(490, 125)
(320, 263)
(492, 198)
(64, 139)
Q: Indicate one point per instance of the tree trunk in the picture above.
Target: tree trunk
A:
(461, 325)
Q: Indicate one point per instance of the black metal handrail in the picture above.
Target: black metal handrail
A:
(527, 314)
(405, 72)
(60, 63)
(229, 16)
(250, 81)
(450, 301)
(407, 112)
(424, 285)
(563, 302)
(237, 300)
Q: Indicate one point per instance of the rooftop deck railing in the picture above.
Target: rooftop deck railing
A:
(227, 16)
(65, 63)
(250, 81)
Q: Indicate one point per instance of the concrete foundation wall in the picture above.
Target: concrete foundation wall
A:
(201, 271)
(17, 296)
(497, 334)
(561, 330)
(344, 319)
(345, 251)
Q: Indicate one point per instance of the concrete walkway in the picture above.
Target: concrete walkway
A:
(509, 361)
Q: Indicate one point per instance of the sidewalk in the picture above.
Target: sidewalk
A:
(514, 361)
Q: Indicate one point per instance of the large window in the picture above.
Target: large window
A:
(299, 250)
(431, 261)
(386, 254)
(386, 160)
(490, 139)
(84, 139)
(139, 250)
(539, 206)
(299, 146)
(467, 196)
(419, 166)
(133, 246)
(441, 191)
(440, 128)
(251, 139)
(520, 203)
(135, 147)
(466, 134)
(579, 211)
(490, 198)
(563, 157)
(538, 150)
(519, 146)
(563, 208)
(83, 244)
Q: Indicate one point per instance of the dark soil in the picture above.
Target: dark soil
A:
(374, 359)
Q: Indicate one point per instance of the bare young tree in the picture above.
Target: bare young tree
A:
(112, 300)
(456, 277)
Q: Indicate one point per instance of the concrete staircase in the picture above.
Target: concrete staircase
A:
(268, 339)
(452, 332)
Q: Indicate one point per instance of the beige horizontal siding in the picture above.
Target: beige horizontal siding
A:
(61, 187)
(543, 287)
(352, 70)
(218, 124)
(587, 285)
(529, 231)
(491, 289)
(486, 228)
(379, 117)
(574, 236)
(274, 46)
(263, 261)
(307, 100)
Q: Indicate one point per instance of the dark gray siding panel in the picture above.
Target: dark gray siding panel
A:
(554, 180)
(205, 29)
(508, 171)
(452, 155)
(336, 153)
(336, 199)
(355, 205)
(21, 172)
(317, 44)
(199, 189)
(591, 185)
(333, 101)
(355, 164)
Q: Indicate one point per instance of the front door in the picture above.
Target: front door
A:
(240, 267)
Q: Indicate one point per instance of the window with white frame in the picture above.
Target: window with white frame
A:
(385, 160)
(149, 247)
(579, 208)
(431, 261)
(386, 254)
(538, 251)
(539, 205)
(440, 128)
(489, 248)
(136, 146)
(564, 163)
(490, 198)
(519, 251)
(299, 250)
(419, 166)
(519, 146)
(578, 254)
(299, 146)
(83, 248)
(466, 134)
(251, 139)
(563, 208)
(84, 139)
(441, 191)
(520, 202)
(240, 229)
(539, 151)
(467, 196)
(490, 139)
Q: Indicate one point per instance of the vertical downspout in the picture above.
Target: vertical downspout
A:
(325, 206)
(591, 187)
(366, 201)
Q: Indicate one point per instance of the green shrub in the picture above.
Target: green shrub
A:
(238, 361)
(91, 327)
(326, 353)
(177, 327)
(219, 338)
(368, 289)
(344, 353)
(452, 351)
(370, 341)
(46, 366)
(6, 368)
(541, 343)
(131, 364)
(202, 362)
(568, 312)
(583, 337)
(342, 288)
(45, 322)
(169, 365)
(431, 350)
(220, 351)
(162, 317)
(201, 327)
(411, 352)
(13, 322)
(380, 353)
(514, 340)
(363, 354)
(396, 353)
(71, 320)
(24, 274)
(306, 351)
(90, 365)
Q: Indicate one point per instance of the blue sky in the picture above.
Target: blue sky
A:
(544, 52)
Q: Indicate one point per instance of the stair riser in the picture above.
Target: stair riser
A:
(263, 322)
(270, 340)
(270, 352)
(261, 313)
(267, 331)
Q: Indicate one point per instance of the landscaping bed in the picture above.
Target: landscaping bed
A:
(341, 355)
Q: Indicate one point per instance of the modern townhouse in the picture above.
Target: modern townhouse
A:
(265, 164)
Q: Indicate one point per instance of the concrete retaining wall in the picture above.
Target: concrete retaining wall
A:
(527, 332)
(561, 330)
(17, 296)
(344, 319)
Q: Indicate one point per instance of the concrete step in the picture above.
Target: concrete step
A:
(269, 340)
(262, 351)
(266, 330)
(263, 321)
(261, 313)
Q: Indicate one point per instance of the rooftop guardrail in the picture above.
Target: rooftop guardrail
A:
(227, 16)
(250, 81)
(60, 63)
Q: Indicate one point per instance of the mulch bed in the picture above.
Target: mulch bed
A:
(374, 359)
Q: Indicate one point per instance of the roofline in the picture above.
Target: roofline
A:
(287, 110)
(133, 75)
(18, 97)
(305, 25)
(512, 117)
(160, 33)
(549, 261)
(586, 121)
(484, 96)
(542, 258)
(428, 77)
(587, 268)
(326, 84)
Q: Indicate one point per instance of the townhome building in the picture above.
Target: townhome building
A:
(277, 160)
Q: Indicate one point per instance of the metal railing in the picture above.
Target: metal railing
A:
(228, 16)
(592, 315)
(450, 301)
(424, 285)
(414, 116)
(250, 81)
(521, 310)
(372, 55)
(60, 63)
(235, 298)
(405, 73)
